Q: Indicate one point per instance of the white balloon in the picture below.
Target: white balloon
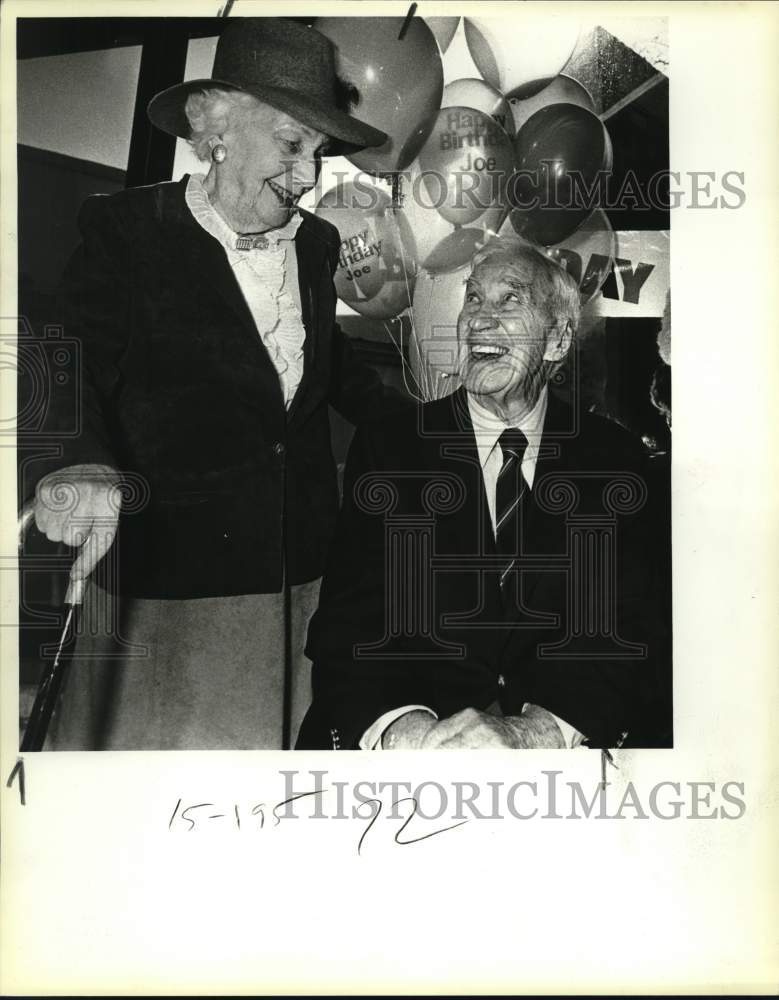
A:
(440, 245)
(438, 299)
(531, 48)
(444, 29)
(477, 94)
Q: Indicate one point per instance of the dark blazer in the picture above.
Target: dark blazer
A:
(586, 643)
(178, 390)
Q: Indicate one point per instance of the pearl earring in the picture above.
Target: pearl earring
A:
(219, 153)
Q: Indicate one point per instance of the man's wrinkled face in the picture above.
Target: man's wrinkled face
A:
(273, 159)
(503, 331)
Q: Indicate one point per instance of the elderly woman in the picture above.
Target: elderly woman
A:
(205, 310)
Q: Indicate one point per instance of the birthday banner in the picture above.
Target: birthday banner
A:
(641, 277)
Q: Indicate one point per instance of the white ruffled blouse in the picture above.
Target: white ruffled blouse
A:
(268, 278)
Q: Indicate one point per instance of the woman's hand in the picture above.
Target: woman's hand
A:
(80, 505)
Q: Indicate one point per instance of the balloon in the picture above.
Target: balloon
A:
(438, 245)
(466, 163)
(562, 90)
(531, 48)
(587, 255)
(400, 82)
(444, 29)
(376, 269)
(481, 96)
(438, 300)
(563, 156)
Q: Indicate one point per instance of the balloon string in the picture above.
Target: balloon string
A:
(423, 388)
(404, 366)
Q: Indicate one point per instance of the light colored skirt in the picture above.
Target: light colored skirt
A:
(206, 674)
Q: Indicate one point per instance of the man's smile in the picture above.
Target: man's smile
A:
(485, 351)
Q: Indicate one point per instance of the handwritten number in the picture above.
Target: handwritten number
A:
(18, 772)
(411, 815)
(373, 819)
(302, 795)
(200, 805)
(173, 816)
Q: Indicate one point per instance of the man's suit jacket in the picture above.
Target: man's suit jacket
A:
(410, 610)
(178, 389)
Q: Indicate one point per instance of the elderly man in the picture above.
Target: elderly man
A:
(490, 584)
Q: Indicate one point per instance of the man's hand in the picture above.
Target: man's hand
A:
(80, 506)
(472, 730)
(407, 732)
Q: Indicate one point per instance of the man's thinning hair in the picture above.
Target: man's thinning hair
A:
(559, 291)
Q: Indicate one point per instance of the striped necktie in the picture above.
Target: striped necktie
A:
(511, 487)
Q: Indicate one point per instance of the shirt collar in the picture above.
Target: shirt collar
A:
(488, 427)
(208, 217)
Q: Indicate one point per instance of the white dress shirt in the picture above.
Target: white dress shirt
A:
(487, 428)
(268, 279)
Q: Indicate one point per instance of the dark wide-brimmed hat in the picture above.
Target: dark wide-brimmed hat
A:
(284, 64)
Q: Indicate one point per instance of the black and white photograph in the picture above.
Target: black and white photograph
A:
(413, 272)
(337, 396)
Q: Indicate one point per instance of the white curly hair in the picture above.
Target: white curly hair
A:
(210, 112)
(560, 291)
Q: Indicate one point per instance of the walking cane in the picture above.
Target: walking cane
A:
(50, 683)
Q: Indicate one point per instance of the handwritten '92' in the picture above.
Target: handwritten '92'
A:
(262, 816)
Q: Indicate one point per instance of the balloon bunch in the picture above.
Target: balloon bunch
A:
(519, 151)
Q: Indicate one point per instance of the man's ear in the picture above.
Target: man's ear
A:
(559, 342)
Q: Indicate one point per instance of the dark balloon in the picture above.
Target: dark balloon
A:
(400, 82)
(563, 89)
(563, 160)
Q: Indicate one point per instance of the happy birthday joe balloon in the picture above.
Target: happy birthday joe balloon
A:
(400, 82)
(468, 93)
(466, 163)
(563, 160)
(376, 268)
(530, 48)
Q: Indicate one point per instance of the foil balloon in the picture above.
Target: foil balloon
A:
(562, 90)
(466, 163)
(399, 81)
(444, 29)
(438, 299)
(376, 269)
(481, 96)
(530, 50)
(563, 160)
(438, 244)
(587, 254)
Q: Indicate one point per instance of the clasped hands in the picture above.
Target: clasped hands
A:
(471, 729)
